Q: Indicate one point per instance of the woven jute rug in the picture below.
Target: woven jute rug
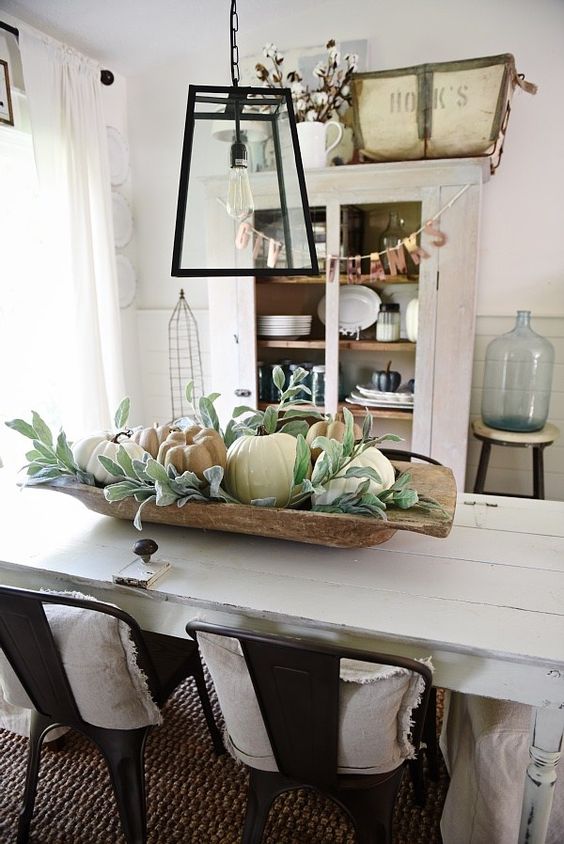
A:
(192, 797)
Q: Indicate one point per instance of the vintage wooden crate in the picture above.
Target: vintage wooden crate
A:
(444, 110)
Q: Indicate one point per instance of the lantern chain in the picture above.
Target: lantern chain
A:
(234, 28)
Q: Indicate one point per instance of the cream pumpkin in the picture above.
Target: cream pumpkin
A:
(370, 457)
(261, 467)
(335, 430)
(194, 449)
(106, 443)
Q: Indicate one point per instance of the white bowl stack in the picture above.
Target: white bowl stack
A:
(287, 326)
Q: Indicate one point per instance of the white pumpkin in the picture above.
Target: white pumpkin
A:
(370, 457)
(411, 320)
(261, 467)
(87, 450)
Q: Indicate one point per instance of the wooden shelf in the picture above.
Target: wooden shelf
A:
(392, 279)
(292, 279)
(376, 346)
(379, 413)
(291, 344)
(320, 279)
(344, 345)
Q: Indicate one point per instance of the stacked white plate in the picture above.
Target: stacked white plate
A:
(288, 326)
(367, 396)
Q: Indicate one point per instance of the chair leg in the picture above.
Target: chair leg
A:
(264, 786)
(37, 728)
(430, 736)
(372, 809)
(124, 752)
(415, 767)
(198, 674)
(482, 467)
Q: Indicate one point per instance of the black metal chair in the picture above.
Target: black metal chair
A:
(408, 456)
(430, 742)
(296, 683)
(29, 646)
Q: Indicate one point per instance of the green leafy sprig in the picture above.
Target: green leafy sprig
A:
(287, 416)
(334, 463)
(49, 460)
(148, 481)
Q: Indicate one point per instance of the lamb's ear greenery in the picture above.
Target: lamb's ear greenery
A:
(51, 458)
(149, 482)
(122, 414)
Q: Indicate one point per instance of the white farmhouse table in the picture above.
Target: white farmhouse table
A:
(487, 603)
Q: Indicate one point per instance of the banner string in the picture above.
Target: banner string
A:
(246, 228)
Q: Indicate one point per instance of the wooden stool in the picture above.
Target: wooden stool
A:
(537, 440)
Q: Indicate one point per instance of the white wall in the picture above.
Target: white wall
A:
(521, 259)
(114, 102)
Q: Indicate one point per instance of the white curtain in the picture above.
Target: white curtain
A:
(69, 140)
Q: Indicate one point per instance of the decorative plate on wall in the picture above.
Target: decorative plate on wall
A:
(123, 221)
(118, 153)
(127, 281)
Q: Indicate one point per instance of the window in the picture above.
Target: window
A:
(32, 311)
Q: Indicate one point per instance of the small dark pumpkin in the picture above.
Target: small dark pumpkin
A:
(387, 380)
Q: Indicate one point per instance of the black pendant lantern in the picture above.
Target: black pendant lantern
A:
(242, 200)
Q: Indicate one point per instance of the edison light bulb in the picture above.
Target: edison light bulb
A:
(240, 203)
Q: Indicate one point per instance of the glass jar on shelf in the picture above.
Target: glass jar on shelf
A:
(318, 385)
(518, 378)
(388, 323)
(392, 235)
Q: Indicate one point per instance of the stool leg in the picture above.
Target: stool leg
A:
(482, 467)
(538, 471)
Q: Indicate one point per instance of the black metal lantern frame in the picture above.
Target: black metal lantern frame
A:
(238, 112)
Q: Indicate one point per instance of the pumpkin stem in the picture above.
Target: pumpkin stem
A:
(388, 367)
(261, 431)
(127, 433)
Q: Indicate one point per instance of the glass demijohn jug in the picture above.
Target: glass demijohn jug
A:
(518, 378)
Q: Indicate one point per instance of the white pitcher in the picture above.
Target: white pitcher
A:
(312, 135)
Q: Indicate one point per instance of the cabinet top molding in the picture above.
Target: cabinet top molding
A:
(387, 174)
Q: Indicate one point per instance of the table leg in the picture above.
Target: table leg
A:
(547, 728)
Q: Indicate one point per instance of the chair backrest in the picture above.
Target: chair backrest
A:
(296, 683)
(27, 641)
(408, 456)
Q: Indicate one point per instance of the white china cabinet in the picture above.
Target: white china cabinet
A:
(351, 207)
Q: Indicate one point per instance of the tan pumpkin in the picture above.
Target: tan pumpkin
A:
(334, 429)
(152, 438)
(193, 450)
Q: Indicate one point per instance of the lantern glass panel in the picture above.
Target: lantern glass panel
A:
(208, 239)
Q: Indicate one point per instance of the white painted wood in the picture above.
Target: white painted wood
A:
(487, 603)
(455, 330)
(443, 364)
(332, 309)
(545, 751)
(421, 441)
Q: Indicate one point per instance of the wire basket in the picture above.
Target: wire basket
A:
(184, 358)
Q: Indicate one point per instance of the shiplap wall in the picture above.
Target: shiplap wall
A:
(510, 468)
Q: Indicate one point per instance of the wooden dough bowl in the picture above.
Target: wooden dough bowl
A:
(333, 529)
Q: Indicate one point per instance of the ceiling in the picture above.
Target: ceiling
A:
(131, 36)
